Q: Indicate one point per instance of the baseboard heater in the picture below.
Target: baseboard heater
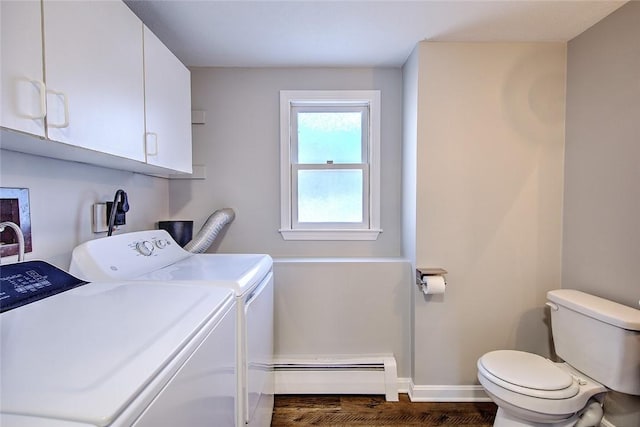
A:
(338, 375)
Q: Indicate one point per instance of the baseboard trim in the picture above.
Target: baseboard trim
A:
(372, 374)
(375, 374)
(447, 393)
(404, 384)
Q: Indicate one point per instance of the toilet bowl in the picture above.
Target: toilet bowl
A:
(598, 339)
(531, 390)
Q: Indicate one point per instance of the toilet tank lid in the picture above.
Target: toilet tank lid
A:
(610, 312)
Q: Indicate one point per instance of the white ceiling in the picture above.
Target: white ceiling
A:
(348, 33)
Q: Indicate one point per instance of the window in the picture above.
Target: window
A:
(330, 176)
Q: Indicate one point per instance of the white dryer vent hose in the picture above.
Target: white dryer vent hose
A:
(210, 230)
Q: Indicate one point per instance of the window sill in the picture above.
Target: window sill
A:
(330, 234)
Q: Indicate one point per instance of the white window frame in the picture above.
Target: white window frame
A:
(289, 227)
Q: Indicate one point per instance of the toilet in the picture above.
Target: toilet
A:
(599, 341)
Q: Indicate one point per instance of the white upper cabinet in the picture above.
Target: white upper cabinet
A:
(93, 58)
(167, 107)
(22, 91)
(74, 72)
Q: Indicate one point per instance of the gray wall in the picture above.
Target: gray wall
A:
(61, 197)
(515, 214)
(328, 307)
(331, 298)
(240, 146)
(489, 149)
(410, 74)
(601, 231)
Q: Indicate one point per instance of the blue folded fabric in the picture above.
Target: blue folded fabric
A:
(26, 282)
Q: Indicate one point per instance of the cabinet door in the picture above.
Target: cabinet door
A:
(167, 107)
(22, 90)
(94, 75)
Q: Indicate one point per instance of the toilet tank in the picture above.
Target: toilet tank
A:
(598, 337)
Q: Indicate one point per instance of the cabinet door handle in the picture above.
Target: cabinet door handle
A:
(43, 99)
(151, 140)
(65, 100)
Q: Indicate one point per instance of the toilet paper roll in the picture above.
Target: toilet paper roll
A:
(433, 285)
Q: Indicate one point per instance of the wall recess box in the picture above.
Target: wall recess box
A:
(14, 207)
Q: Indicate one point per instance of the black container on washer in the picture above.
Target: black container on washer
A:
(181, 231)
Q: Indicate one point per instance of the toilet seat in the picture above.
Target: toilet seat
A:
(527, 374)
(530, 401)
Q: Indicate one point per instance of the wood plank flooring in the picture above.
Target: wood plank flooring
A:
(346, 411)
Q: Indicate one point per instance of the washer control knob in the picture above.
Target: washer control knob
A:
(161, 244)
(145, 247)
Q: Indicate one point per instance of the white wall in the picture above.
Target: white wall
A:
(601, 232)
(61, 196)
(490, 141)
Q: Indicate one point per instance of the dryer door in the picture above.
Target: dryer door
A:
(259, 354)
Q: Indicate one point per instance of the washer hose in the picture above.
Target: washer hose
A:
(18, 231)
(210, 230)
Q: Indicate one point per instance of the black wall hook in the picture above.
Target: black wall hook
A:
(117, 216)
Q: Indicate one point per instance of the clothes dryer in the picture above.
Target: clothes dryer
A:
(154, 255)
(76, 354)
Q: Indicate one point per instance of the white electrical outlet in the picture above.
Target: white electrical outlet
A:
(99, 222)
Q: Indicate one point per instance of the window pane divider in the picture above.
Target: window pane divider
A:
(329, 166)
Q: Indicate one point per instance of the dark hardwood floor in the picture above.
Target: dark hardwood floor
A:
(341, 410)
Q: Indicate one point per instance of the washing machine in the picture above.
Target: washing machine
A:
(117, 353)
(154, 255)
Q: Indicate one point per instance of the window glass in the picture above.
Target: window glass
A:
(330, 165)
(329, 137)
(330, 195)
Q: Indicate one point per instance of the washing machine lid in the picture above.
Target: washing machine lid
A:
(528, 374)
(85, 354)
(240, 272)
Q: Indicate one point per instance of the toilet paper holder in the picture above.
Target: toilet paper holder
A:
(422, 273)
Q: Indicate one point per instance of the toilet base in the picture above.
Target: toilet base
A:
(504, 419)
